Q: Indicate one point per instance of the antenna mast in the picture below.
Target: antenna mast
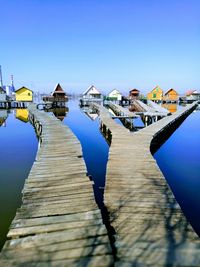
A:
(1, 78)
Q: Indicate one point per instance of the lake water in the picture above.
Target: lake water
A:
(85, 125)
(18, 150)
(178, 159)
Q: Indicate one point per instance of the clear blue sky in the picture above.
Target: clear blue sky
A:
(109, 43)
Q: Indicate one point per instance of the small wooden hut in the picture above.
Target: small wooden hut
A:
(57, 96)
(134, 94)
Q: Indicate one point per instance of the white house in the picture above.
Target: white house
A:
(192, 95)
(115, 95)
(92, 93)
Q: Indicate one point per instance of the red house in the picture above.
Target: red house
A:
(134, 94)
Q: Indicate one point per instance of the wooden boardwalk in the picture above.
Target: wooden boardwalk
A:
(150, 110)
(120, 111)
(157, 107)
(58, 223)
(150, 227)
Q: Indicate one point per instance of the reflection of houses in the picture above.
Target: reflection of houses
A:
(3, 117)
(156, 94)
(24, 94)
(114, 95)
(91, 95)
(22, 114)
(171, 96)
(59, 112)
(170, 107)
(134, 94)
(92, 116)
(57, 96)
(2, 95)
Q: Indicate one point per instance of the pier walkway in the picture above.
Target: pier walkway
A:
(120, 111)
(157, 107)
(150, 227)
(150, 110)
(58, 223)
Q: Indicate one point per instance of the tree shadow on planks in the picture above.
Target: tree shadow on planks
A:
(84, 246)
(155, 236)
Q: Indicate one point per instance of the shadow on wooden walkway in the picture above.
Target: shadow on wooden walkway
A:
(150, 227)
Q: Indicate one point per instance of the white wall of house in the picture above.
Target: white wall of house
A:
(115, 94)
(92, 92)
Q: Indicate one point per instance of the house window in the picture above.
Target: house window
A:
(154, 95)
(29, 94)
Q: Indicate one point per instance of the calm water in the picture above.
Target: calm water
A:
(179, 160)
(95, 149)
(18, 150)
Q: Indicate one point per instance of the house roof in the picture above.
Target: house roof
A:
(170, 90)
(93, 89)
(196, 92)
(58, 89)
(190, 92)
(23, 87)
(156, 88)
(114, 90)
(134, 90)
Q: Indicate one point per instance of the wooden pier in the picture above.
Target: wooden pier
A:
(157, 107)
(13, 104)
(150, 227)
(58, 223)
(152, 110)
(120, 111)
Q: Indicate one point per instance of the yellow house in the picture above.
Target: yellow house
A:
(24, 94)
(156, 94)
(22, 114)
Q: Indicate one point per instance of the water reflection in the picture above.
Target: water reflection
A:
(59, 112)
(178, 158)
(22, 114)
(85, 125)
(3, 117)
(18, 150)
(90, 112)
(171, 107)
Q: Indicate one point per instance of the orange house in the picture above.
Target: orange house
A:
(171, 96)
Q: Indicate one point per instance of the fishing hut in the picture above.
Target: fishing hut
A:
(58, 98)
